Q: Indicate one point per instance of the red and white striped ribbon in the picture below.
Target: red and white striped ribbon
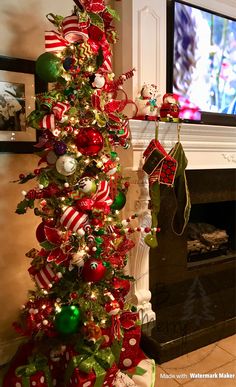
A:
(74, 31)
(125, 128)
(107, 64)
(48, 122)
(102, 194)
(45, 277)
(54, 42)
(73, 220)
(60, 108)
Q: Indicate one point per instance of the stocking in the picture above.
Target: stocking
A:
(182, 197)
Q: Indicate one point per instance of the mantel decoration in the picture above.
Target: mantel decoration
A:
(80, 327)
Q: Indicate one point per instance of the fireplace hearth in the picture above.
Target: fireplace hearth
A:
(193, 292)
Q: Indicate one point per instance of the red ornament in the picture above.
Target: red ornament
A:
(112, 308)
(121, 285)
(89, 141)
(96, 222)
(40, 232)
(85, 204)
(93, 270)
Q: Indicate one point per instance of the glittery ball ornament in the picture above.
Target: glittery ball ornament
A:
(89, 141)
(68, 319)
(66, 165)
(48, 67)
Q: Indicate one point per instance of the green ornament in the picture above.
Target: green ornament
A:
(119, 201)
(151, 240)
(101, 231)
(99, 240)
(113, 155)
(68, 319)
(48, 67)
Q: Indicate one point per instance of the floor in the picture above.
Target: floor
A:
(213, 365)
(218, 359)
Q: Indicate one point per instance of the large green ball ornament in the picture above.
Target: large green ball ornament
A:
(119, 201)
(68, 319)
(48, 67)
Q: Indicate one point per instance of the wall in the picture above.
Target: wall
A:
(22, 25)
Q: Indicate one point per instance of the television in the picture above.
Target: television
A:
(201, 63)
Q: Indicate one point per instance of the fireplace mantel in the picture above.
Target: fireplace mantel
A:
(142, 45)
(205, 148)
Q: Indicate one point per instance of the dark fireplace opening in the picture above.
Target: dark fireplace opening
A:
(194, 292)
(211, 232)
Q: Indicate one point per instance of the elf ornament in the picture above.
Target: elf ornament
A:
(169, 110)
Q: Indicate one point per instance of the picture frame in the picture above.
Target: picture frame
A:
(19, 84)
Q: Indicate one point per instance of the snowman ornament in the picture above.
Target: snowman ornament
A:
(147, 102)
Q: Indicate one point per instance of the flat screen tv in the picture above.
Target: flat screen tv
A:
(201, 63)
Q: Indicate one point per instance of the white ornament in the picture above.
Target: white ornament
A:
(132, 341)
(127, 362)
(66, 165)
(99, 81)
(87, 185)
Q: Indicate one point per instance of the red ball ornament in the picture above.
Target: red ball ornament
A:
(89, 141)
(93, 270)
(40, 232)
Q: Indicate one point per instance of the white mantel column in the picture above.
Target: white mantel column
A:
(137, 203)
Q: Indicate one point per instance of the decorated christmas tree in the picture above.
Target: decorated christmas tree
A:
(80, 328)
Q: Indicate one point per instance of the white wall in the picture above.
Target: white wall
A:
(22, 25)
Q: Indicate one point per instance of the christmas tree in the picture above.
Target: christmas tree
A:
(80, 327)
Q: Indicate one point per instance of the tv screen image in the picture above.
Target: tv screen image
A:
(203, 46)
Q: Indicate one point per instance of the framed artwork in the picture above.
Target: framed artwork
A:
(18, 87)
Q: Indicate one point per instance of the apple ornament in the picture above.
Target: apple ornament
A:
(93, 270)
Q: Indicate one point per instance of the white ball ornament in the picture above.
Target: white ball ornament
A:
(66, 165)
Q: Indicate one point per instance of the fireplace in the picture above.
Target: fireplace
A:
(193, 287)
(168, 281)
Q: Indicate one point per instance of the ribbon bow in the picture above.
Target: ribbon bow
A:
(91, 359)
(26, 371)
